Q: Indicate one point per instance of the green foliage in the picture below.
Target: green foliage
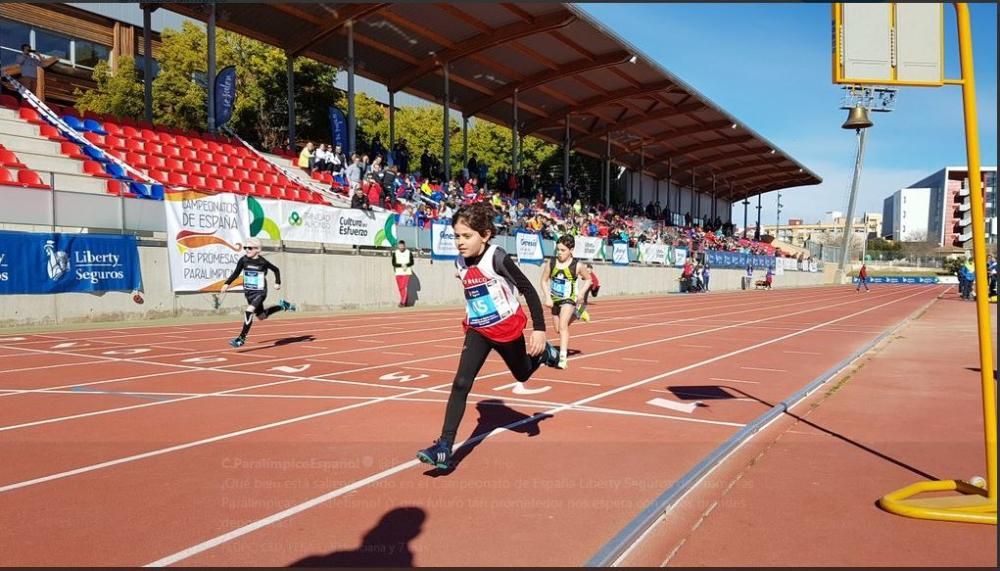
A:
(884, 245)
(952, 265)
(116, 93)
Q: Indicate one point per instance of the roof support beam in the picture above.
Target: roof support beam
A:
(724, 157)
(354, 12)
(574, 68)
(667, 136)
(635, 121)
(482, 42)
(684, 151)
(598, 100)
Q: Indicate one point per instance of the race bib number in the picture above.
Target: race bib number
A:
(253, 280)
(486, 305)
(559, 287)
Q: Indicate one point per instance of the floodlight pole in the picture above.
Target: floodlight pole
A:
(849, 223)
(352, 120)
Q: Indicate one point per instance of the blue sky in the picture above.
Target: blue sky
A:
(769, 66)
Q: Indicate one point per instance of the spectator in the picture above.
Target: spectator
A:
(402, 263)
(306, 157)
(360, 200)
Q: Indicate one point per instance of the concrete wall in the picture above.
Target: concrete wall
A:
(326, 282)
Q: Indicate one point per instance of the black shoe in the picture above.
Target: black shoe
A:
(437, 455)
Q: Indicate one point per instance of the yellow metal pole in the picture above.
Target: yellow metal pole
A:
(978, 246)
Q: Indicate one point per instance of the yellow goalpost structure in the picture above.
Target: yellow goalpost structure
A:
(899, 44)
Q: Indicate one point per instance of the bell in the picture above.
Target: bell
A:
(857, 119)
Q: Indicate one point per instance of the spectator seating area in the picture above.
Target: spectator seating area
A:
(176, 158)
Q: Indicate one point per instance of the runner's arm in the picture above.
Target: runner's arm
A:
(277, 272)
(236, 272)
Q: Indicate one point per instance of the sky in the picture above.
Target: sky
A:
(769, 66)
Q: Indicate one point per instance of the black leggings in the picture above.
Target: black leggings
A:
(474, 353)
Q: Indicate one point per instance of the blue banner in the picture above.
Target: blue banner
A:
(225, 95)
(57, 263)
(923, 280)
(619, 253)
(338, 130)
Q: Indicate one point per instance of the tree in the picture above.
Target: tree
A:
(178, 100)
(117, 93)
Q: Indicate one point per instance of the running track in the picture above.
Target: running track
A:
(163, 446)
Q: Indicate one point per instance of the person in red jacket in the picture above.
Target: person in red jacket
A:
(863, 278)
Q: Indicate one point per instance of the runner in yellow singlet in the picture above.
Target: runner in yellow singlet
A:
(564, 284)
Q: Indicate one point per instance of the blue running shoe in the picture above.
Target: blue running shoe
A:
(438, 455)
(551, 356)
(238, 342)
(287, 306)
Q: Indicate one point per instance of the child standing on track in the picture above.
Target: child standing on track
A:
(564, 284)
(494, 320)
(254, 268)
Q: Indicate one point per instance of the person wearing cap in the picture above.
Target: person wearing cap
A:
(254, 269)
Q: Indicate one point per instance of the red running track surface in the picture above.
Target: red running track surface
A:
(162, 445)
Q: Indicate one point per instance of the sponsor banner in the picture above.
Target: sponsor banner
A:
(619, 253)
(56, 263)
(529, 248)
(338, 130)
(921, 280)
(443, 241)
(589, 248)
(680, 256)
(779, 269)
(653, 253)
(205, 236)
(225, 95)
(302, 222)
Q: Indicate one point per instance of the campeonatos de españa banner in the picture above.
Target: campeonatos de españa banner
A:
(205, 235)
(206, 232)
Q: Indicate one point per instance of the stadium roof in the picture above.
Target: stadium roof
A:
(557, 58)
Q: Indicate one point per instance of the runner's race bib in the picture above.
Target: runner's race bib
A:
(253, 280)
(486, 304)
(559, 287)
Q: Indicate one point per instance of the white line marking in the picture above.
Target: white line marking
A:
(687, 407)
(290, 369)
(335, 362)
(565, 382)
(397, 353)
(733, 381)
(802, 352)
(602, 369)
(696, 346)
(520, 389)
(764, 369)
(639, 360)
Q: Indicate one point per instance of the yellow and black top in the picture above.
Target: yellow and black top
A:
(562, 281)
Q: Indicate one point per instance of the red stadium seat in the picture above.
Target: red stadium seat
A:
(208, 169)
(247, 188)
(112, 127)
(173, 164)
(71, 150)
(94, 138)
(154, 148)
(30, 115)
(156, 162)
(95, 168)
(224, 172)
(9, 159)
(30, 179)
(187, 153)
(130, 132)
(9, 101)
(50, 132)
(171, 151)
(212, 183)
(177, 179)
(231, 186)
(6, 179)
(196, 180)
(136, 160)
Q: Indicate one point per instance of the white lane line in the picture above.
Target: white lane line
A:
(764, 369)
(602, 369)
(721, 380)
